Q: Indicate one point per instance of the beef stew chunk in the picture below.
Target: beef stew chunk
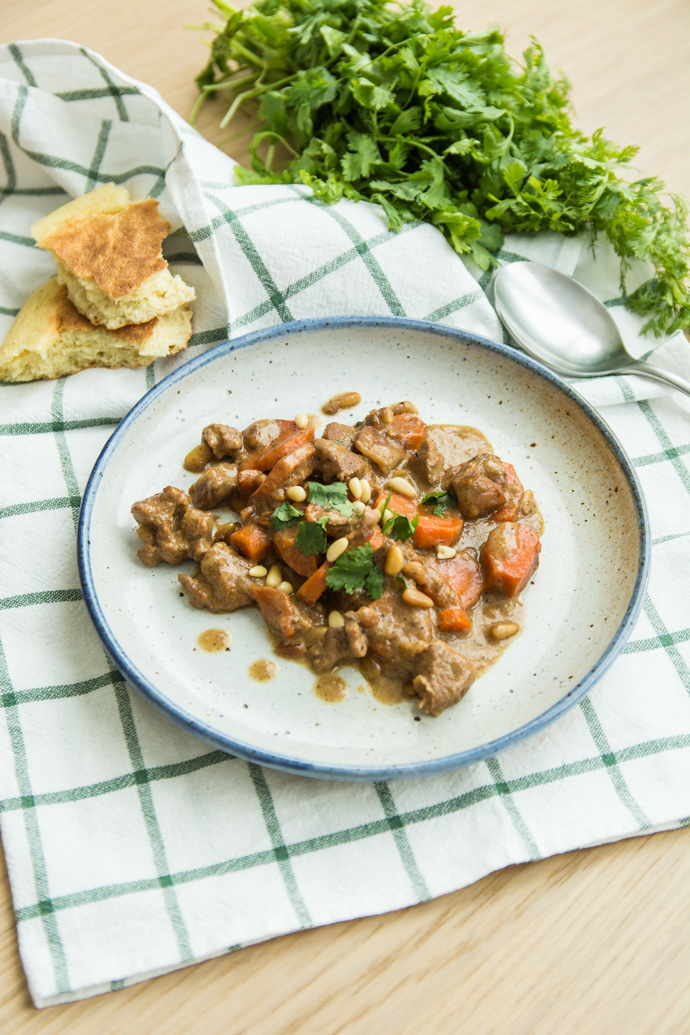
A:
(408, 585)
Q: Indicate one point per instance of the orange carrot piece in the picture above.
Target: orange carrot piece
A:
(509, 511)
(408, 430)
(454, 620)
(282, 470)
(278, 449)
(248, 481)
(376, 539)
(465, 578)
(510, 557)
(400, 504)
(252, 542)
(433, 530)
(315, 586)
(286, 546)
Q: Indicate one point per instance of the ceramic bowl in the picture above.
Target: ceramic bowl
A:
(580, 608)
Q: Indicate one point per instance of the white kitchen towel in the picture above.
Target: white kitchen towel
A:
(132, 848)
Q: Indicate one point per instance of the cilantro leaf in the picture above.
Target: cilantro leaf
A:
(355, 569)
(285, 516)
(311, 538)
(443, 501)
(331, 497)
(400, 527)
(396, 105)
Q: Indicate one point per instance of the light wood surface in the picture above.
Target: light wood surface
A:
(593, 942)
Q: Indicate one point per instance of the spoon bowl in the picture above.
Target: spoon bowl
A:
(565, 326)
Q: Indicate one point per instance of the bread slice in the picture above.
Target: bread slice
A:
(49, 338)
(107, 250)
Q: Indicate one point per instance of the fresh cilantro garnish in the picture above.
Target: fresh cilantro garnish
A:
(442, 499)
(311, 538)
(331, 497)
(400, 527)
(355, 569)
(400, 107)
(285, 516)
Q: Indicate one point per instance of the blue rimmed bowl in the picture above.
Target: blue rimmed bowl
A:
(580, 609)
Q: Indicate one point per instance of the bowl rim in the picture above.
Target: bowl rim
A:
(300, 767)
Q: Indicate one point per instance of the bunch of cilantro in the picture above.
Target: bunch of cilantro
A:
(393, 104)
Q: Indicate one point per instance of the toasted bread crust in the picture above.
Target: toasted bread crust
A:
(118, 250)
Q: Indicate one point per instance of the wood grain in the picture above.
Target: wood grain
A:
(592, 942)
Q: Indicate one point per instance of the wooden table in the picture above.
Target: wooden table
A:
(594, 942)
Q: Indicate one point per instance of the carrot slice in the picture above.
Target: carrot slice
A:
(400, 504)
(464, 576)
(437, 531)
(510, 557)
(278, 449)
(248, 481)
(408, 430)
(282, 470)
(252, 542)
(454, 619)
(509, 511)
(376, 539)
(315, 586)
(286, 546)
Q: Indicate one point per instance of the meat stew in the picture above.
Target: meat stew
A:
(392, 545)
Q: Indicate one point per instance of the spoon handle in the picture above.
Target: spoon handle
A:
(657, 374)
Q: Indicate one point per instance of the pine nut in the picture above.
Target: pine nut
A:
(258, 571)
(301, 420)
(285, 587)
(355, 487)
(395, 561)
(445, 552)
(315, 634)
(503, 630)
(335, 549)
(274, 577)
(402, 486)
(359, 506)
(387, 415)
(296, 493)
(415, 570)
(366, 490)
(414, 598)
(388, 515)
(336, 620)
(528, 502)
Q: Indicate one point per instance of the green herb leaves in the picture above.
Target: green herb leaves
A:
(285, 516)
(331, 497)
(395, 105)
(355, 570)
(311, 538)
(443, 501)
(400, 527)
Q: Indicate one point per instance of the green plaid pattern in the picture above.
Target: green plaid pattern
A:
(132, 848)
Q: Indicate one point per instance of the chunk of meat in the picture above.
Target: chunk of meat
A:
(223, 440)
(379, 448)
(279, 611)
(510, 557)
(337, 525)
(285, 444)
(172, 530)
(443, 677)
(479, 485)
(285, 543)
(345, 434)
(356, 636)
(216, 484)
(331, 650)
(337, 462)
(248, 481)
(223, 583)
(400, 632)
(428, 462)
(259, 435)
(291, 470)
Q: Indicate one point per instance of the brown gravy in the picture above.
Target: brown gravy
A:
(331, 688)
(263, 671)
(214, 640)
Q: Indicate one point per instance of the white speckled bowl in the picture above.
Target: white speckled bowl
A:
(586, 595)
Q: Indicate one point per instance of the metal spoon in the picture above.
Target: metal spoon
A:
(565, 326)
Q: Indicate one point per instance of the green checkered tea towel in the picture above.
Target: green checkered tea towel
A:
(132, 848)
